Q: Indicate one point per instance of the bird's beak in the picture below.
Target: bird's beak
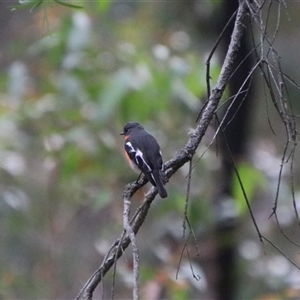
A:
(122, 133)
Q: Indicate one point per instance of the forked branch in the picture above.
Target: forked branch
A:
(183, 156)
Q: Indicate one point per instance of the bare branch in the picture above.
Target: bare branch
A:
(183, 156)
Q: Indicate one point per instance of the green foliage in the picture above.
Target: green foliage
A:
(252, 180)
(32, 4)
(64, 102)
(179, 291)
(67, 4)
(103, 6)
(62, 114)
(24, 4)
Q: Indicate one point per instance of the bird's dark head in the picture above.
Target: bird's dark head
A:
(131, 126)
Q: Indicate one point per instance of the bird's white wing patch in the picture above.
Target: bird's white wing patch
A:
(139, 154)
(138, 157)
(131, 149)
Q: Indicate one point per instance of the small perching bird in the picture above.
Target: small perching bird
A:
(143, 152)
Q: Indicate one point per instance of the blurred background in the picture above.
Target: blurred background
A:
(69, 81)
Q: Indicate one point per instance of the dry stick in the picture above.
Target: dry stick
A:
(285, 112)
(187, 198)
(135, 251)
(183, 156)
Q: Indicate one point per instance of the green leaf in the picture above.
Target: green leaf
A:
(252, 179)
(72, 158)
(114, 92)
(23, 4)
(35, 3)
(103, 5)
(68, 4)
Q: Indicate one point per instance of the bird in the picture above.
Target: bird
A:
(143, 153)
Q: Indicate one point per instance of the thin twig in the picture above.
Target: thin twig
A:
(208, 78)
(187, 197)
(281, 252)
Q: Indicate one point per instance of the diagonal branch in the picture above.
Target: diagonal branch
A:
(183, 156)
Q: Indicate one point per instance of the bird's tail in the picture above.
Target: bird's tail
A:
(158, 178)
